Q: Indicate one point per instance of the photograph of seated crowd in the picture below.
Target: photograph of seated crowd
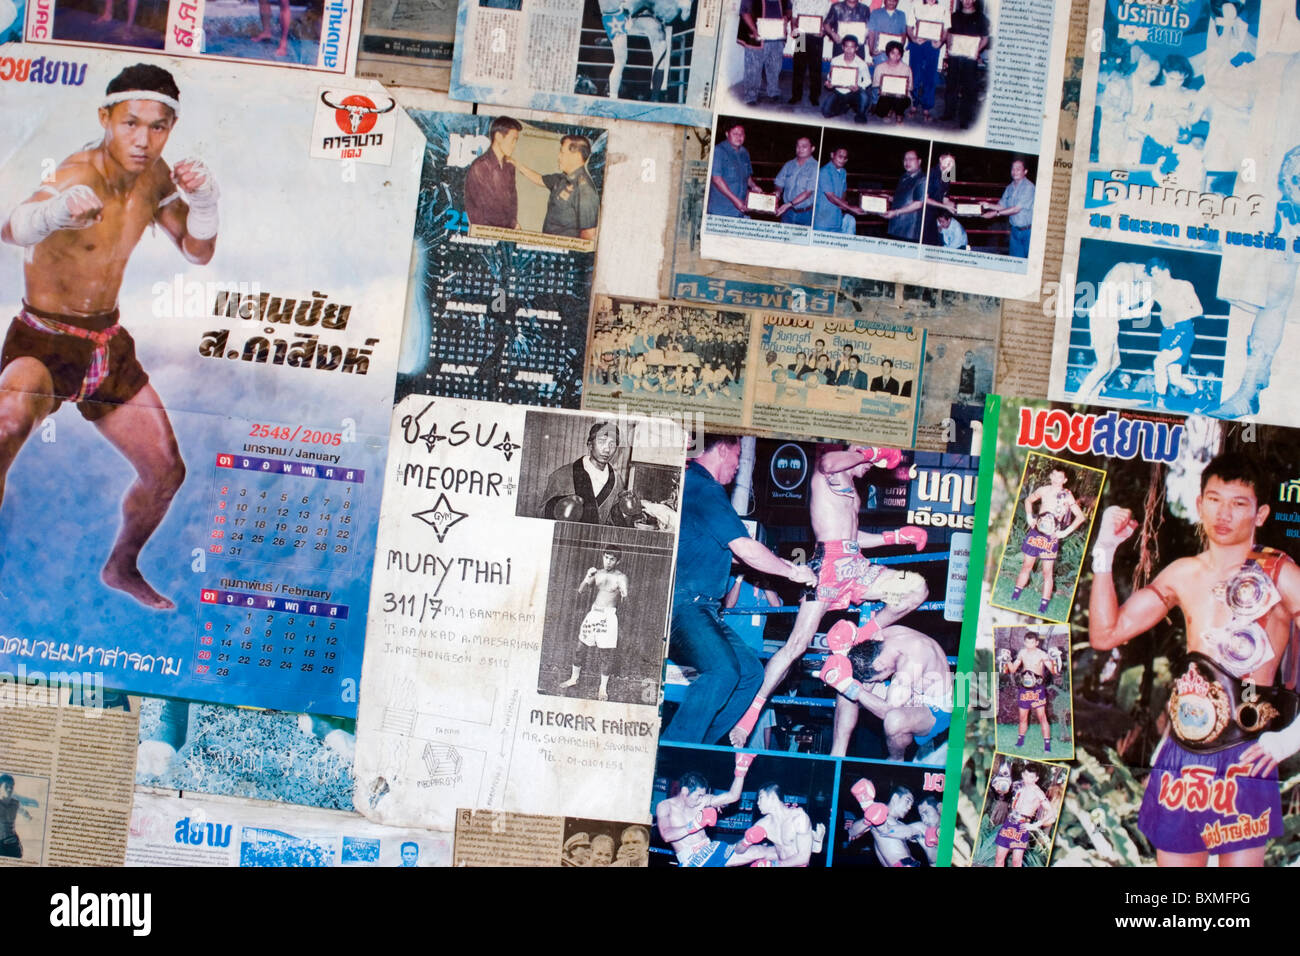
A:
(918, 62)
(863, 184)
(651, 348)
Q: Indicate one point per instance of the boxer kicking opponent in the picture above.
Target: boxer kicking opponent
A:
(1034, 665)
(683, 817)
(902, 677)
(1043, 538)
(844, 576)
(1230, 721)
(66, 344)
(1030, 812)
(598, 634)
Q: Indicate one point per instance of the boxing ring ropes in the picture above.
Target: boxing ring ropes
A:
(1079, 334)
(676, 680)
(594, 51)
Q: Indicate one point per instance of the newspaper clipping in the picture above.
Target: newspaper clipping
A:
(488, 838)
(895, 168)
(408, 42)
(188, 831)
(1179, 274)
(519, 613)
(305, 36)
(852, 379)
(650, 60)
(65, 771)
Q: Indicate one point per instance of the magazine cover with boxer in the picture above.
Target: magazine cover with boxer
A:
(1183, 644)
(197, 374)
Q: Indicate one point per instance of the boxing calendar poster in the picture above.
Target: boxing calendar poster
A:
(935, 188)
(1161, 738)
(838, 691)
(518, 613)
(321, 38)
(246, 468)
(503, 261)
(1178, 279)
(648, 60)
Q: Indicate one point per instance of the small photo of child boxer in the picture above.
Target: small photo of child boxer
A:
(1021, 807)
(605, 619)
(23, 804)
(1043, 550)
(1035, 718)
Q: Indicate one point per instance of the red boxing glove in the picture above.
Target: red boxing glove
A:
(931, 836)
(754, 835)
(705, 818)
(887, 458)
(908, 534)
(840, 637)
(742, 763)
(864, 791)
(838, 673)
(876, 813)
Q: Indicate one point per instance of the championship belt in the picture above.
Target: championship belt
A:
(1210, 710)
(1046, 523)
(1239, 647)
(1028, 679)
(1249, 593)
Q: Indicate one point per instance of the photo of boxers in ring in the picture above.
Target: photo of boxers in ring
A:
(1033, 688)
(774, 811)
(808, 615)
(889, 816)
(1021, 809)
(1043, 554)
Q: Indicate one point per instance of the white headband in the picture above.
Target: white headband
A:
(112, 99)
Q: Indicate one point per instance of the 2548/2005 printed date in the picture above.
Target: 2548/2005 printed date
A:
(306, 436)
(412, 605)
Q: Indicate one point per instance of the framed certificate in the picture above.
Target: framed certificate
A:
(969, 209)
(761, 202)
(809, 24)
(929, 29)
(844, 76)
(874, 203)
(771, 28)
(963, 44)
(853, 29)
(884, 39)
(893, 86)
